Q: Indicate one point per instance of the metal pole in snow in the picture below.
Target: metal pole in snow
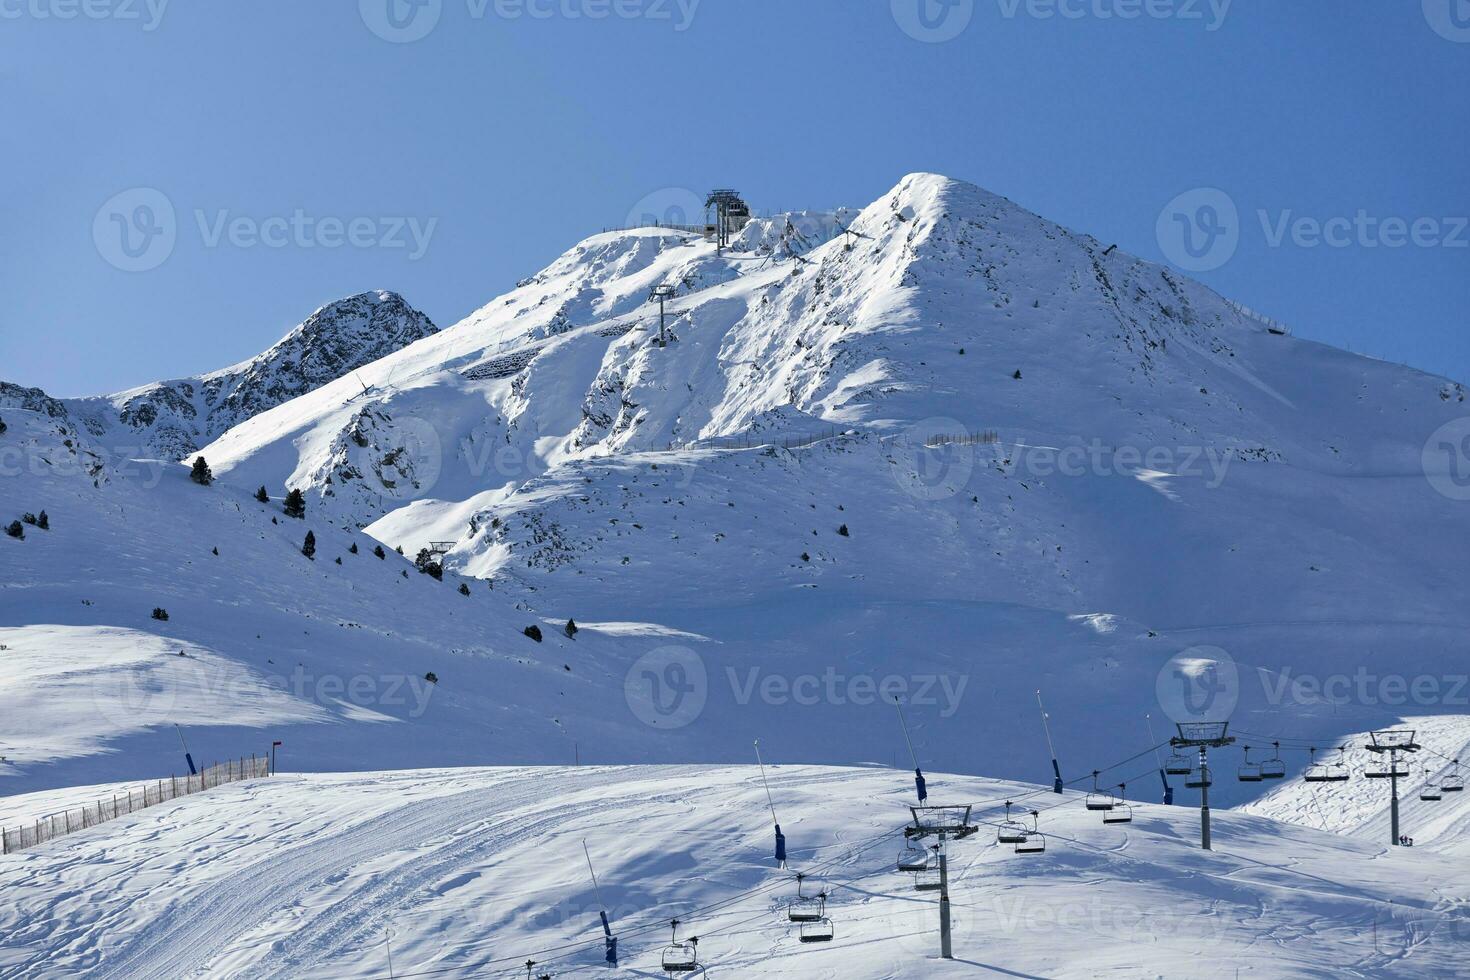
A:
(945, 949)
(780, 837)
(1168, 790)
(919, 784)
(610, 942)
(187, 757)
(1055, 766)
(1204, 798)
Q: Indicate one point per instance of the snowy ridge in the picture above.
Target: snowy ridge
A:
(171, 419)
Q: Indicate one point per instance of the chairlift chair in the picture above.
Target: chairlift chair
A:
(1321, 772)
(913, 858)
(1454, 782)
(803, 908)
(1035, 842)
(1198, 778)
(1249, 773)
(928, 879)
(1429, 792)
(1274, 767)
(819, 931)
(1386, 770)
(681, 957)
(1099, 799)
(1178, 764)
(1122, 811)
(1011, 831)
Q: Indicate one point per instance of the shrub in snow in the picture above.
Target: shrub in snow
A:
(534, 632)
(308, 547)
(3, 427)
(464, 589)
(200, 473)
(843, 531)
(426, 564)
(805, 556)
(378, 550)
(262, 496)
(570, 629)
(431, 677)
(160, 613)
(15, 530)
(339, 559)
(295, 505)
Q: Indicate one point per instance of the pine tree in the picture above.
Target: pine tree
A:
(464, 588)
(308, 547)
(353, 549)
(43, 522)
(262, 496)
(570, 629)
(200, 473)
(843, 531)
(215, 552)
(160, 613)
(1017, 375)
(15, 530)
(295, 505)
(534, 632)
(378, 550)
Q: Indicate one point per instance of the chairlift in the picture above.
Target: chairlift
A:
(805, 908)
(928, 880)
(1099, 799)
(1387, 770)
(1274, 767)
(1011, 831)
(1178, 764)
(1321, 772)
(1198, 778)
(1429, 793)
(1122, 812)
(819, 931)
(1035, 842)
(1454, 782)
(1249, 773)
(681, 957)
(913, 858)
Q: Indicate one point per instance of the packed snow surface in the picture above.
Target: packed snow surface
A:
(470, 872)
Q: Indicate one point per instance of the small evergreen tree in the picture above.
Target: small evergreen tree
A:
(464, 588)
(160, 613)
(378, 550)
(353, 549)
(262, 496)
(308, 547)
(215, 551)
(1017, 375)
(426, 564)
(43, 522)
(843, 531)
(15, 530)
(295, 505)
(28, 519)
(3, 427)
(533, 631)
(200, 473)
(339, 559)
(431, 677)
(570, 629)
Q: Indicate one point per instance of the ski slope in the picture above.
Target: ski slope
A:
(469, 872)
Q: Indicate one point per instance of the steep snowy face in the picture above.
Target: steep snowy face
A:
(172, 419)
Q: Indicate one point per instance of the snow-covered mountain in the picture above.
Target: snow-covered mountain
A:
(793, 502)
(171, 419)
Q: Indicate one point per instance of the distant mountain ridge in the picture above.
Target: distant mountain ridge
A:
(171, 419)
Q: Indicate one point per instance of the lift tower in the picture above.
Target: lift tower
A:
(1391, 743)
(1203, 735)
(730, 212)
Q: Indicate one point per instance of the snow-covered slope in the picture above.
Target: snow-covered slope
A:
(171, 419)
(789, 508)
(469, 873)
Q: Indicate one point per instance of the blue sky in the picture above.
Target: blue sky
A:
(448, 166)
